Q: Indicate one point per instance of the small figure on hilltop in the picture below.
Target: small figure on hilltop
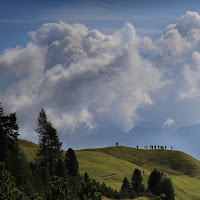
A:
(137, 146)
(171, 147)
(154, 146)
(117, 144)
(165, 147)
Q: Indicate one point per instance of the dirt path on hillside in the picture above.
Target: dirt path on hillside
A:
(111, 175)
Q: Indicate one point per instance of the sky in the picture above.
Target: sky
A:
(89, 63)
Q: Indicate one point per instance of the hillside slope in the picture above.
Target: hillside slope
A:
(112, 164)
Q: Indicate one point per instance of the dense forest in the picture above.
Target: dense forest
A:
(54, 175)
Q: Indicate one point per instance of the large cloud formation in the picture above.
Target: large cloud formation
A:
(177, 52)
(80, 76)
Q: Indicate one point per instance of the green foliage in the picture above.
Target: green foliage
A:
(8, 133)
(71, 162)
(10, 126)
(160, 186)
(38, 196)
(20, 180)
(111, 164)
(88, 189)
(50, 146)
(8, 190)
(136, 182)
(3, 145)
(60, 168)
(20, 169)
(58, 189)
(126, 191)
(166, 188)
(153, 182)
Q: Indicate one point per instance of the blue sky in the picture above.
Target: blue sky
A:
(149, 17)
(129, 63)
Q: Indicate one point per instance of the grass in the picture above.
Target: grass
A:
(112, 164)
(30, 149)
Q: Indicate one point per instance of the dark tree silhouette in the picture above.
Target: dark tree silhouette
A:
(50, 146)
(125, 188)
(136, 182)
(71, 162)
(153, 182)
(60, 168)
(3, 145)
(166, 187)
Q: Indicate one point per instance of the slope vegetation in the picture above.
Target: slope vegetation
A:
(112, 164)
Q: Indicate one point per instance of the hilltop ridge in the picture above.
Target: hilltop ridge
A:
(112, 164)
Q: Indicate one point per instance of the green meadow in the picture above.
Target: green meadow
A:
(112, 164)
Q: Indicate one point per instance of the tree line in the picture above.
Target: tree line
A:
(53, 175)
(159, 187)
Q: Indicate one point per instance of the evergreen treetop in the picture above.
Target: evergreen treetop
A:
(153, 181)
(71, 162)
(136, 182)
(50, 146)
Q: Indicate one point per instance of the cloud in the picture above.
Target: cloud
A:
(22, 61)
(168, 123)
(79, 76)
(176, 54)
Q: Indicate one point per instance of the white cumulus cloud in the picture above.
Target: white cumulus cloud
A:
(79, 75)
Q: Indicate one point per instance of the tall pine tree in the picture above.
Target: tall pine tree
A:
(50, 146)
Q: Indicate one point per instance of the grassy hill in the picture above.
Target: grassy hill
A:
(112, 164)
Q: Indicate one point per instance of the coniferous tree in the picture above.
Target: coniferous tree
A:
(10, 126)
(50, 149)
(136, 182)
(1, 114)
(54, 149)
(125, 189)
(19, 167)
(3, 146)
(153, 182)
(71, 162)
(42, 126)
(88, 190)
(165, 187)
(8, 190)
(60, 168)
(50, 146)
(58, 189)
